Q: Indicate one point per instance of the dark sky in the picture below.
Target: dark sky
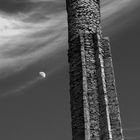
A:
(34, 38)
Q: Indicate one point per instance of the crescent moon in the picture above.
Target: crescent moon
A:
(43, 74)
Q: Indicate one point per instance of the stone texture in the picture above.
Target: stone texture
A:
(94, 104)
(111, 92)
(83, 15)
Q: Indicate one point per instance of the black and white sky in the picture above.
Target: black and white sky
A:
(33, 38)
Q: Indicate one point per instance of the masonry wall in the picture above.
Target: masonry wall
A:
(76, 90)
(111, 92)
(83, 15)
(94, 104)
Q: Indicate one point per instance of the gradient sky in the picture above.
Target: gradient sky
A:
(33, 38)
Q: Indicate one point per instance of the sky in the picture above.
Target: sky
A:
(33, 38)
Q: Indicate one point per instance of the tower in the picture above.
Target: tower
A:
(94, 103)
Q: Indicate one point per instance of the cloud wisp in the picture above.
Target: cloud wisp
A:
(25, 38)
(41, 32)
(23, 43)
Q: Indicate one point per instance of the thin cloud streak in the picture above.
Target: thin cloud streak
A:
(27, 37)
(113, 9)
(23, 43)
(21, 87)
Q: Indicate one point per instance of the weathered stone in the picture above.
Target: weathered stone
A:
(94, 104)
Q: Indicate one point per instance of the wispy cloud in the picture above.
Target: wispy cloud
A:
(23, 43)
(27, 37)
(112, 9)
(21, 87)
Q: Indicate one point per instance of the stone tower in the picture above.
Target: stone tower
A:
(94, 104)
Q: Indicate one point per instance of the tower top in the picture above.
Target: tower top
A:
(84, 16)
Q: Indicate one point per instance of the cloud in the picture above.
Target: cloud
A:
(21, 87)
(40, 31)
(112, 9)
(23, 43)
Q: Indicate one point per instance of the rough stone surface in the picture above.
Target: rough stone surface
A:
(94, 104)
(111, 92)
(83, 15)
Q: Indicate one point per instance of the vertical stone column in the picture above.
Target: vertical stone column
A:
(76, 89)
(113, 103)
(83, 15)
(94, 105)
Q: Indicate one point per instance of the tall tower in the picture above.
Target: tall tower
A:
(94, 104)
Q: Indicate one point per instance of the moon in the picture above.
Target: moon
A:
(42, 74)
